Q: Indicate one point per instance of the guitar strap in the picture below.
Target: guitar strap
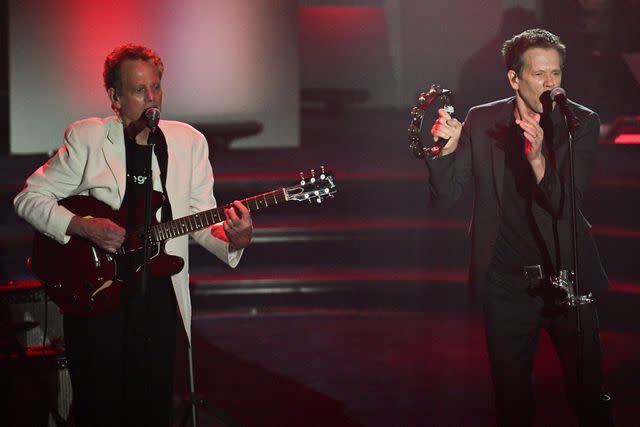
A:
(162, 155)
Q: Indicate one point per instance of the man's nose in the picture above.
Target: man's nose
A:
(550, 82)
(149, 94)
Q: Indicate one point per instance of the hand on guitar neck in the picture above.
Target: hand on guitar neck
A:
(106, 234)
(238, 228)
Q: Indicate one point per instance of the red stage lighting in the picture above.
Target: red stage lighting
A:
(625, 130)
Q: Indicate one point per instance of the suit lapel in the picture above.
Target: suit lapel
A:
(172, 162)
(115, 155)
(497, 158)
(499, 136)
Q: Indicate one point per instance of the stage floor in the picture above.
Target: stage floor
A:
(292, 366)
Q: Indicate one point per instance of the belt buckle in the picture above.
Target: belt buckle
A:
(532, 272)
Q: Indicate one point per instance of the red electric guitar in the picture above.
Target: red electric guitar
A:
(84, 280)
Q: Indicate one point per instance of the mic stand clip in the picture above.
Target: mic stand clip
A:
(565, 283)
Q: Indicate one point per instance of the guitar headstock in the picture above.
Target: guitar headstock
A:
(312, 187)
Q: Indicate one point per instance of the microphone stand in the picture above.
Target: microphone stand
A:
(144, 277)
(152, 118)
(195, 401)
(576, 274)
(148, 190)
(571, 283)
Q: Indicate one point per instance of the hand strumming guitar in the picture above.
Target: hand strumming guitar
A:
(106, 234)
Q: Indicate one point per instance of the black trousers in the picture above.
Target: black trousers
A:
(121, 364)
(514, 315)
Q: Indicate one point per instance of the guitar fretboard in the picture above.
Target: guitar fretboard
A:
(200, 220)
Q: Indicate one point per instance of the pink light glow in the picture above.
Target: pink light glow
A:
(627, 138)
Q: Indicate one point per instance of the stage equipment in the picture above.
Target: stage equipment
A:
(35, 386)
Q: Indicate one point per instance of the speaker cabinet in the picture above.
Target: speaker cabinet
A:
(34, 319)
(35, 388)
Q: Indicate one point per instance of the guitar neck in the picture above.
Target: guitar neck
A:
(200, 220)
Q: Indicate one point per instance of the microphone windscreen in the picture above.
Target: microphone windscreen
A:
(153, 117)
(558, 92)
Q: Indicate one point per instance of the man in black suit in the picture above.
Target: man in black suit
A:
(515, 151)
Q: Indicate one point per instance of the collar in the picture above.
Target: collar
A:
(115, 131)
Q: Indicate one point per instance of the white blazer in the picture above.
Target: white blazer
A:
(92, 162)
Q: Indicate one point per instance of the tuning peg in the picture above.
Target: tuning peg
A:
(302, 181)
(313, 176)
(319, 200)
(322, 174)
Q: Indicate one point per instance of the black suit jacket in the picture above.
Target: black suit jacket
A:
(480, 159)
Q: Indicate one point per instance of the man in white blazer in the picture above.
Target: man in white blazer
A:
(99, 158)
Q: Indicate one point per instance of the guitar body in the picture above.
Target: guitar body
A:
(84, 280)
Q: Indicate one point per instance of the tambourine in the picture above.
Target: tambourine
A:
(417, 113)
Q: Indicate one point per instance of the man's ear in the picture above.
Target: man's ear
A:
(512, 76)
(114, 98)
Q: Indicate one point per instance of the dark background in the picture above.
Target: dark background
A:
(356, 311)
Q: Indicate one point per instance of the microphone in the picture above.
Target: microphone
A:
(152, 115)
(559, 96)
